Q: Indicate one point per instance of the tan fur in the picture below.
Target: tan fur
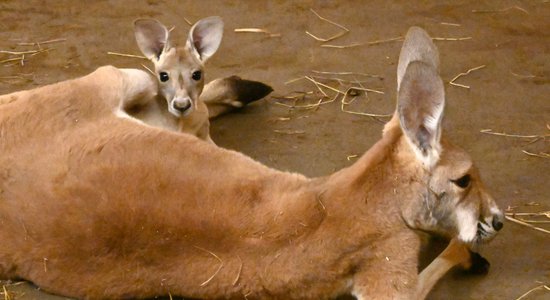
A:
(220, 97)
(94, 206)
(175, 68)
(456, 253)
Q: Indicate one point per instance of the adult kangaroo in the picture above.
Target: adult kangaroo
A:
(107, 207)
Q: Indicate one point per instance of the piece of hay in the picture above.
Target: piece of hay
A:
(452, 82)
(542, 286)
(343, 103)
(450, 24)
(349, 157)
(126, 55)
(217, 271)
(346, 73)
(6, 294)
(324, 40)
(18, 52)
(500, 10)
(510, 218)
(22, 57)
(399, 38)
(239, 272)
(490, 131)
(150, 71)
(38, 44)
(289, 132)
(524, 76)
(452, 38)
(317, 83)
(541, 154)
(257, 30)
(531, 215)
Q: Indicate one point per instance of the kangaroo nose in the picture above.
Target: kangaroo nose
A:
(497, 224)
(181, 106)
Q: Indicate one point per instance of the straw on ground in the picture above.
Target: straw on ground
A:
(343, 31)
(452, 82)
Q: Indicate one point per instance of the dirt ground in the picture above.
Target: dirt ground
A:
(510, 94)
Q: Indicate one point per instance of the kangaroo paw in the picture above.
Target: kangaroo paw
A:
(479, 265)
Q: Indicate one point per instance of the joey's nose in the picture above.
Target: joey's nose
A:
(497, 224)
(181, 106)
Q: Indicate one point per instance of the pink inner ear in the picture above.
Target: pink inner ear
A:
(197, 44)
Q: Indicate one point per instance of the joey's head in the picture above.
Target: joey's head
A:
(445, 195)
(180, 70)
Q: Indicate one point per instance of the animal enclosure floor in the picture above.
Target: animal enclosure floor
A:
(505, 44)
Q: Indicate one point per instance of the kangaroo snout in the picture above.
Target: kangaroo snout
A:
(181, 106)
(497, 222)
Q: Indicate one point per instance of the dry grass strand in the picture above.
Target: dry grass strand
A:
(346, 73)
(148, 69)
(509, 218)
(542, 286)
(452, 38)
(289, 132)
(399, 38)
(126, 55)
(340, 34)
(239, 272)
(500, 10)
(450, 24)
(217, 271)
(540, 154)
(58, 40)
(490, 131)
(6, 294)
(452, 82)
(256, 30)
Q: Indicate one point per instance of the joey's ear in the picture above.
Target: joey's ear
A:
(205, 37)
(417, 46)
(151, 37)
(420, 104)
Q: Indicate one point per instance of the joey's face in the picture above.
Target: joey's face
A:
(454, 202)
(180, 76)
(179, 69)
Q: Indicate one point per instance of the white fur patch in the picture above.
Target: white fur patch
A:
(357, 295)
(430, 160)
(432, 121)
(467, 224)
(495, 210)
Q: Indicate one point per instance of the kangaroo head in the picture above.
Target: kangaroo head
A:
(446, 194)
(179, 69)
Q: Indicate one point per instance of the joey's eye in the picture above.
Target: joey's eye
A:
(463, 181)
(196, 75)
(163, 76)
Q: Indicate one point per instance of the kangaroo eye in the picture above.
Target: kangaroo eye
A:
(463, 181)
(164, 76)
(196, 75)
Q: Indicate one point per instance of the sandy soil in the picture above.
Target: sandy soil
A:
(510, 94)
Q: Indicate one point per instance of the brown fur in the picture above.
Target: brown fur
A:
(105, 207)
(179, 64)
(175, 68)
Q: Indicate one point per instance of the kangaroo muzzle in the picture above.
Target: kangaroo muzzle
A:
(181, 106)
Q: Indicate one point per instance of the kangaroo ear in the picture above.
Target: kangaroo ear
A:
(205, 37)
(417, 46)
(420, 104)
(151, 37)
